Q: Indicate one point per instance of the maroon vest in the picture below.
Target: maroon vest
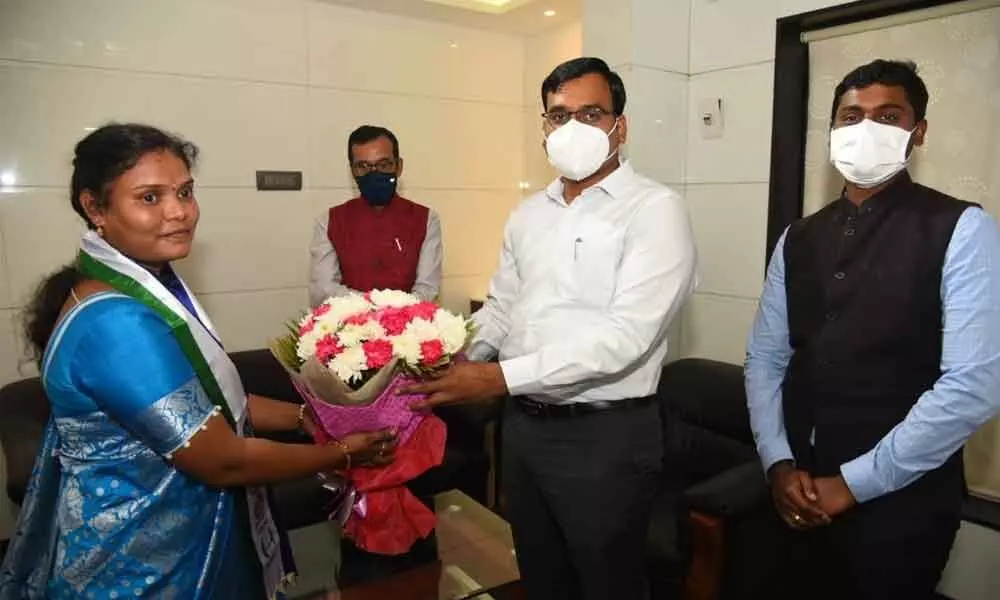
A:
(378, 249)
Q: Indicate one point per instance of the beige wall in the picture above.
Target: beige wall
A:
(262, 84)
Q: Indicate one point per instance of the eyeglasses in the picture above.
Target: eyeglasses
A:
(591, 115)
(386, 165)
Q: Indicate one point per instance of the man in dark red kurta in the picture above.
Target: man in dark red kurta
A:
(378, 240)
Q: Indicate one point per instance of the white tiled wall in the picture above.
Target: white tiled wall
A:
(731, 223)
(656, 109)
(743, 153)
(262, 84)
(731, 33)
(646, 33)
(732, 58)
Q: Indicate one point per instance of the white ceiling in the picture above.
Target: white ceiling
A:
(525, 18)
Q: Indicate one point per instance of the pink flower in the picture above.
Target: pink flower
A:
(394, 320)
(431, 352)
(327, 347)
(378, 353)
(320, 310)
(423, 310)
(358, 319)
(304, 329)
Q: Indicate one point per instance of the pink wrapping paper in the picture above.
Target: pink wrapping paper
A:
(390, 410)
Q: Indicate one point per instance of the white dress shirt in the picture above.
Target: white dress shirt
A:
(326, 279)
(579, 306)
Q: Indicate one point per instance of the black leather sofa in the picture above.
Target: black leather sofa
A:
(713, 534)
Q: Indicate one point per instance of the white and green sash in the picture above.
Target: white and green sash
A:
(218, 376)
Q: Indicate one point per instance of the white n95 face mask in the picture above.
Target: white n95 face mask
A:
(577, 150)
(869, 153)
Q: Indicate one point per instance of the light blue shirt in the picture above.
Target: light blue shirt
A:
(965, 396)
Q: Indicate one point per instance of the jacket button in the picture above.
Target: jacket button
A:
(839, 275)
(831, 316)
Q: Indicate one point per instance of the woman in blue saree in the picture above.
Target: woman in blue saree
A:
(150, 483)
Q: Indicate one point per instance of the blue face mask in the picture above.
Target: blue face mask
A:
(377, 188)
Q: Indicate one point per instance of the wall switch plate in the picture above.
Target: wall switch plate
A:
(710, 118)
(279, 180)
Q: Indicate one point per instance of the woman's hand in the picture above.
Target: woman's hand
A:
(371, 449)
(309, 426)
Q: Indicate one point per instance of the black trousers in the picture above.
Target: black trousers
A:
(579, 492)
(892, 548)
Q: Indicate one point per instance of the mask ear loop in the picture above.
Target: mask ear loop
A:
(616, 150)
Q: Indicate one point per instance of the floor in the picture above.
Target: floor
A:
(474, 548)
(317, 557)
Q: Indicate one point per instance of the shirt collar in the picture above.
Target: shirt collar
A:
(616, 184)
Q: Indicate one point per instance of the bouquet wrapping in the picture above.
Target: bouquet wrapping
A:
(349, 358)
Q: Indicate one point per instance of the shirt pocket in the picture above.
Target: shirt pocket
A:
(596, 256)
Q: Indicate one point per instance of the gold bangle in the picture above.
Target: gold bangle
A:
(300, 421)
(345, 451)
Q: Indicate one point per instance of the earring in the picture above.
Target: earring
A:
(100, 231)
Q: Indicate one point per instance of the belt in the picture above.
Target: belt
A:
(558, 411)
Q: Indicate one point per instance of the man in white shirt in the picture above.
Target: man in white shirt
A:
(378, 240)
(591, 272)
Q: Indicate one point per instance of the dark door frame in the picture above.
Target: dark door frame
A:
(791, 95)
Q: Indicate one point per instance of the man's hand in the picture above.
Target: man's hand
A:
(461, 382)
(796, 497)
(835, 497)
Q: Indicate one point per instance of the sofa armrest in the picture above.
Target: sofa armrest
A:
(732, 493)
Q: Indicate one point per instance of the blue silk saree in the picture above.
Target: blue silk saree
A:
(106, 514)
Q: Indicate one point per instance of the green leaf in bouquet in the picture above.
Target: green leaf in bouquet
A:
(285, 348)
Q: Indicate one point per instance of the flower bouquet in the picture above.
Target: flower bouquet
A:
(349, 358)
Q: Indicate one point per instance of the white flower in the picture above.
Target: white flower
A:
(353, 335)
(342, 307)
(452, 330)
(421, 330)
(394, 298)
(307, 344)
(407, 348)
(349, 364)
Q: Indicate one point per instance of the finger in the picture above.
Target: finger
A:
(788, 512)
(805, 508)
(386, 435)
(795, 520)
(383, 459)
(433, 400)
(422, 387)
(785, 512)
(787, 518)
(808, 487)
(800, 489)
(386, 447)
